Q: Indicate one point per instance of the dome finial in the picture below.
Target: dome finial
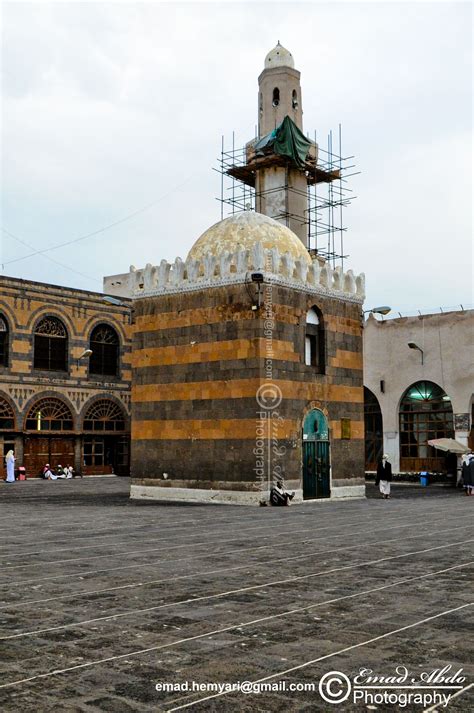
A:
(279, 57)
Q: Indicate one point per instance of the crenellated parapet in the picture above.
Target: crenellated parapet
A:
(236, 267)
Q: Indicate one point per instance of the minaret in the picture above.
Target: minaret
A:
(279, 91)
(281, 165)
(281, 190)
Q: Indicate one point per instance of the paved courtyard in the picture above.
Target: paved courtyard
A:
(104, 600)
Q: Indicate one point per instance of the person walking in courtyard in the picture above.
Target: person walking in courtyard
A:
(468, 473)
(384, 476)
(10, 463)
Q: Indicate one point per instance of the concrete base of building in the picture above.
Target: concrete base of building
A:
(348, 491)
(195, 495)
(232, 497)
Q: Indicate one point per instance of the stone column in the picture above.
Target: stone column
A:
(18, 450)
(78, 454)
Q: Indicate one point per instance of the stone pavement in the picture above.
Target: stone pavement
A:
(103, 598)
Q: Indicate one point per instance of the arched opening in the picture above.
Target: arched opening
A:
(3, 341)
(294, 99)
(7, 429)
(49, 438)
(425, 413)
(373, 426)
(276, 97)
(104, 343)
(50, 345)
(314, 346)
(49, 414)
(316, 465)
(7, 416)
(106, 442)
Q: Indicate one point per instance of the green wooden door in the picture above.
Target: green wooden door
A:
(316, 465)
(309, 470)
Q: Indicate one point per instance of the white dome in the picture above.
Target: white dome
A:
(279, 57)
(242, 231)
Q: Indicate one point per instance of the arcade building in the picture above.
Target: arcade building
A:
(64, 378)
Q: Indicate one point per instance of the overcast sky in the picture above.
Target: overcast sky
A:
(109, 107)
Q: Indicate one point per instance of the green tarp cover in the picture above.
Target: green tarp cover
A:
(285, 140)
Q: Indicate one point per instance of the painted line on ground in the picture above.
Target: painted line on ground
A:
(172, 538)
(140, 652)
(248, 565)
(220, 595)
(437, 706)
(204, 555)
(280, 674)
(307, 514)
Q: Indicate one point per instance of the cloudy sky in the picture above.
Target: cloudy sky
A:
(110, 108)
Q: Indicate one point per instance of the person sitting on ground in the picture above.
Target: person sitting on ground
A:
(280, 496)
(47, 472)
(69, 472)
(60, 473)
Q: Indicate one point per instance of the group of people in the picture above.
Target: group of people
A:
(47, 473)
(60, 473)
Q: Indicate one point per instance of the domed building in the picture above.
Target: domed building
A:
(242, 231)
(247, 355)
(247, 368)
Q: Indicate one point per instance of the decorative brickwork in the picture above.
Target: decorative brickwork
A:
(26, 307)
(199, 361)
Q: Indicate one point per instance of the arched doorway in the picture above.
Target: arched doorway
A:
(426, 413)
(373, 426)
(316, 467)
(106, 441)
(49, 435)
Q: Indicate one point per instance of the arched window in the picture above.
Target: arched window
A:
(276, 97)
(3, 342)
(106, 443)
(50, 345)
(294, 99)
(314, 350)
(315, 426)
(105, 350)
(373, 430)
(425, 413)
(104, 415)
(49, 414)
(7, 417)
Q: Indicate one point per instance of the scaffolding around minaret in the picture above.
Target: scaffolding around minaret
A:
(324, 192)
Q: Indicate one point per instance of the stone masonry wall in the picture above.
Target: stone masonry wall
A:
(198, 362)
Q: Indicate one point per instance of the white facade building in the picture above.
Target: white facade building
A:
(422, 389)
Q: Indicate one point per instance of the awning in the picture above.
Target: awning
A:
(448, 445)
